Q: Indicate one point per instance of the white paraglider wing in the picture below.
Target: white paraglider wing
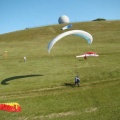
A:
(66, 27)
(88, 37)
(88, 54)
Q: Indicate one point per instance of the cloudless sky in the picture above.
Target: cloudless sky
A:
(20, 14)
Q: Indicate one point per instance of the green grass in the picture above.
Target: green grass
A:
(43, 85)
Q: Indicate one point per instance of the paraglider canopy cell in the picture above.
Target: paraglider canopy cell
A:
(63, 19)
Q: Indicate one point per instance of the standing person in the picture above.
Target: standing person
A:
(77, 81)
(24, 59)
(85, 57)
(6, 54)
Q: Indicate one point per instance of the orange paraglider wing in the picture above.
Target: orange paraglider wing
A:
(10, 107)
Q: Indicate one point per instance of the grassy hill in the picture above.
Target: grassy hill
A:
(43, 85)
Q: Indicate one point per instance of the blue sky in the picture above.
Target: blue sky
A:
(20, 14)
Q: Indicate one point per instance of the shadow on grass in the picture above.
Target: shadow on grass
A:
(4, 82)
(69, 84)
(81, 59)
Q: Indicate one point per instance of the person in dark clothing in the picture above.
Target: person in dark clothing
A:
(85, 57)
(77, 81)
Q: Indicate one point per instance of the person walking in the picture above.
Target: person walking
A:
(77, 81)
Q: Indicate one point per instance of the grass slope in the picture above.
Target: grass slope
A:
(43, 85)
